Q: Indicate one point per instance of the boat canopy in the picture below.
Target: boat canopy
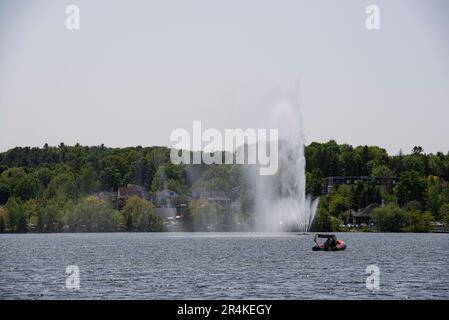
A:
(327, 236)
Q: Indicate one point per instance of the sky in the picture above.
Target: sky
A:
(136, 70)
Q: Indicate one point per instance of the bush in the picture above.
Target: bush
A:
(206, 215)
(92, 214)
(444, 214)
(324, 222)
(390, 218)
(15, 218)
(140, 215)
(2, 219)
(419, 222)
(52, 217)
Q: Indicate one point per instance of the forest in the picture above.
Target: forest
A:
(58, 188)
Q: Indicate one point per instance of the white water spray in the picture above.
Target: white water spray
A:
(280, 201)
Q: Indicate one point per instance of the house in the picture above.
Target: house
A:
(385, 183)
(167, 208)
(236, 206)
(164, 198)
(362, 216)
(130, 190)
(218, 197)
(120, 197)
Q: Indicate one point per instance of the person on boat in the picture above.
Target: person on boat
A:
(332, 242)
(326, 244)
(329, 243)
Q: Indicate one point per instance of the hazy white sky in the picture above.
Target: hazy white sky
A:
(136, 70)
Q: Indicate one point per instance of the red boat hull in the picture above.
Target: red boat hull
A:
(341, 245)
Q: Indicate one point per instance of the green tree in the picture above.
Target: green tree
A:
(5, 193)
(314, 181)
(411, 186)
(15, 218)
(31, 210)
(419, 221)
(51, 216)
(12, 177)
(340, 200)
(2, 219)
(207, 216)
(417, 150)
(119, 221)
(412, 206)
(93, 214)
(44, 175)
(110, 178)
(88, 180)
(324, 222)
(187, 220)
(168, 175)
(415, 162)
(141, 216)
(174, 185)
(363, 194)
(439, 165)
(381, 171)
(62, 186)
(437, 195)
(444, 214)
(390, 218)
(27, 188)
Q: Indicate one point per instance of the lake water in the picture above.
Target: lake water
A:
(222, 265)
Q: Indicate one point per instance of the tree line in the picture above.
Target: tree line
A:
(56, 188)
(419, 198)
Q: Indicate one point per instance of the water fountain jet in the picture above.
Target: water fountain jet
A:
(280, 200)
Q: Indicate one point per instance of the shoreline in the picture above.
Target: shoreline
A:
(225, 232)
